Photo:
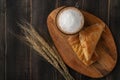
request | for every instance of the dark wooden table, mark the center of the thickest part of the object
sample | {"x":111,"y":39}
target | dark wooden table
{"x":19,"y":62}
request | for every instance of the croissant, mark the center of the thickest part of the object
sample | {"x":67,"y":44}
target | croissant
{"x":89,"y":38}
{"x":77,"y":48}
{"x":84,"y":43}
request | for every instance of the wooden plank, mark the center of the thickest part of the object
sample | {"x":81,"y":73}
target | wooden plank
{"x":41,"y":70}
{"x":78,"y":4}
{"x":99,"y":9}
{"x":2,"y":39}
{"x":17,"y":52}
{"x":87,"y":5}
{"x":114,"y":15}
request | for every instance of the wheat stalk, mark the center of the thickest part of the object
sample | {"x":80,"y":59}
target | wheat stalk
{"x":50,"y":53}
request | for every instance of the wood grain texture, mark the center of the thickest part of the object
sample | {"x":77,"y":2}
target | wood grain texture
{"x":40,"y":11}
{"x":23,"y":63}
{"x":114,"y":23}
{"x":100,"y":9}
{"x":2,"y":39}
{"x":17,"y":67}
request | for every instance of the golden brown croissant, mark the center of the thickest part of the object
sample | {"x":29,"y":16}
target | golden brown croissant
{"x":76,"y":46}
{"x":89,"y":38}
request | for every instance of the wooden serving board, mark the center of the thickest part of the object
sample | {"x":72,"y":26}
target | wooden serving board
{"x":106,"y":48}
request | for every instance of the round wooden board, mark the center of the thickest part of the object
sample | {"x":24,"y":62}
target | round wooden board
{"x":106,"y":47}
